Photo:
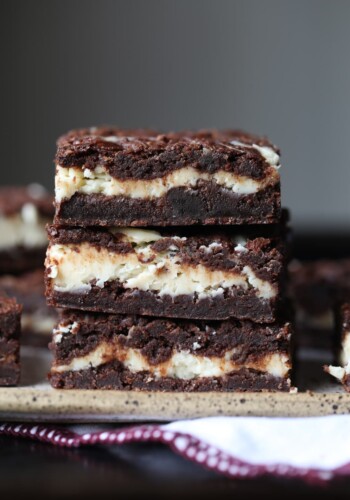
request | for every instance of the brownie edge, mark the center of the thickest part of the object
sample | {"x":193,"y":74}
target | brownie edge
{"x":10,"y":329}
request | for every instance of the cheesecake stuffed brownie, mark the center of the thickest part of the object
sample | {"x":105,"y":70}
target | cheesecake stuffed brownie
{"x":97,"y":351}
{"x":24,"y":213}
{"x":194,"y":273}
{"x":38,"y":319}
{"x":10,"y":329}
{"x":107,"y":177}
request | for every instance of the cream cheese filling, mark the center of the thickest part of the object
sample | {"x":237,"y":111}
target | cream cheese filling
{"x":72,"y":268}
{"x":181,"y":365}
{"x":26,"y":229}
{"x":98,"y":181}
{"x":340,"y":372}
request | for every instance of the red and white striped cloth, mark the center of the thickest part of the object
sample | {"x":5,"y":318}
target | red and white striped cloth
{"x":313,"y":449}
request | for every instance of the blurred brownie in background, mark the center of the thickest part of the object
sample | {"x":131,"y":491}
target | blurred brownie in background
{"x":38,"y":319}
{"x":342,"y":371}
{"x":10,"y":329}
{"x":24,"y":213}
{"x":316,"y":289}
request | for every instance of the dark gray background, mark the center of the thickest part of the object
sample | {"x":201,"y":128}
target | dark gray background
{"x":274,"y":67}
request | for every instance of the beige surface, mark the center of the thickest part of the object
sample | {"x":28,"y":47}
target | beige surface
{"x":35,"y":400}
{"x":45,"y":404}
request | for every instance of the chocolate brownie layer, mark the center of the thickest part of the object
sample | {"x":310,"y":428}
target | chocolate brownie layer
{"x":171,"y":349}
{"x":115,"y":376}
{"x":78,"y":334}
{"x":208,"y":274}
{"x":10,"y":328}
{"x":104,"y":178}
{"x":113,"y":298}
{"x":207,"y":204}
{"x":38,"y":320}
{"x":24,"y":213}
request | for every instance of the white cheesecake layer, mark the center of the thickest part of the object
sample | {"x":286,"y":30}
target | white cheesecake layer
{"x":73,"y":180}
{"x":181,"y":365}
{"x":72,"y":268}
{"x":26,"y":229}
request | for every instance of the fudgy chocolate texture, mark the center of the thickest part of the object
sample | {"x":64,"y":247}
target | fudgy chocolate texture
{"x":115,"y":299}
{"x":206,"y":203}
{"x":115,"y":376}
{"x":20,"y":259}
{"x":149,"y":157}
{"x":10,"y":328}
{"x":158,"y":339}
{"x":13,"y":198}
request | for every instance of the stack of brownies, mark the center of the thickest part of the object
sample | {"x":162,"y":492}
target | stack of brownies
{"x":168,"y":256}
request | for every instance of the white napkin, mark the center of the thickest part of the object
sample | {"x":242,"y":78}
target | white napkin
{"x":321,"y":442}
{"x":314,"y":449}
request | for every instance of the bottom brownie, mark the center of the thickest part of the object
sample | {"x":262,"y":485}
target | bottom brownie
{"x":100,"y":351}
{"x":10,"y":327}
{"x":115,"y":376}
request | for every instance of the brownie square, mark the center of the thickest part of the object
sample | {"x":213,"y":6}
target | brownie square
{"x":99,"y":351}
{"x":111,"y":177}
{"x":192,"y":273}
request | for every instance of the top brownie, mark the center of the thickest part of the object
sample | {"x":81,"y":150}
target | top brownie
{"x":110,"y":177}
